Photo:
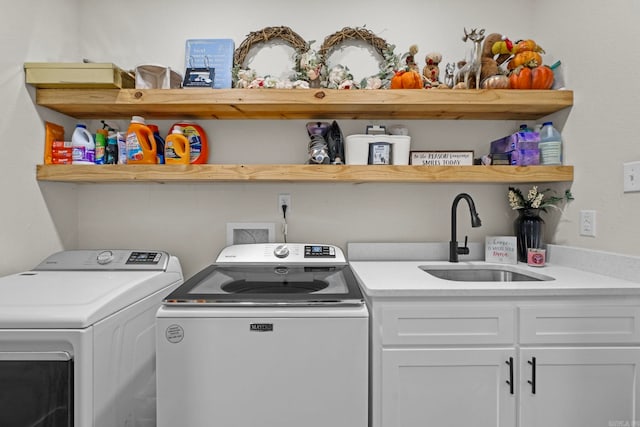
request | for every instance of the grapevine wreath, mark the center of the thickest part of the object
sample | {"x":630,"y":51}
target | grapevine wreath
{"x":246,"y":78}
{"x":339,"y":76}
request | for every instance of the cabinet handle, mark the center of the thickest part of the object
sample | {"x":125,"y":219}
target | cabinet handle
{"x":510,"y":380}
{"x":532,"y":362}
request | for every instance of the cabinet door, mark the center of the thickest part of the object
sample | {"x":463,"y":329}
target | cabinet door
{"x":586,"y":387}
{"x":447,"y":388}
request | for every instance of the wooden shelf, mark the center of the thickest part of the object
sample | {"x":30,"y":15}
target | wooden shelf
{"x":303,"y":173}
{"x":484,"y":104}
{"x":207,"y":104}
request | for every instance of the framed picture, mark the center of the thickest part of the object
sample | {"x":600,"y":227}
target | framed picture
{"x":441,"y":158}
{"x":199,"y":77}
{"x":379,"y":153}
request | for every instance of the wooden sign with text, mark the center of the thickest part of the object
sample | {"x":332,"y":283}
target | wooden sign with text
{"x":442,"y":158}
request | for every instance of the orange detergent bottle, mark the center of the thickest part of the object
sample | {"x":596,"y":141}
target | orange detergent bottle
{"x":141,"y":144}
{"x":198,"y":146}
{"x":176,"y":148}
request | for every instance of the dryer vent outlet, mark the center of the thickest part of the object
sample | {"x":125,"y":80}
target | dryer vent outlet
{"x":239,"y":233}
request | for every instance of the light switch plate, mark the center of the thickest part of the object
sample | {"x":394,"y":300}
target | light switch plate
{"x":631,"y":177}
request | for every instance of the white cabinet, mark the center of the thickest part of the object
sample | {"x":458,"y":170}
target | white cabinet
{"x":442,"y":364}
{"x":447,"y":387}
{"x":579,"y":364}
{"x":508,"y":362}
{"x":580,"y":386}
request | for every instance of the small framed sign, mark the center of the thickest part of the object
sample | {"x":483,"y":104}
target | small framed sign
{"x":199,"y":77}
{"x":379,"y":153}
{"x":441,"y":158}
{"x":501,"y":249}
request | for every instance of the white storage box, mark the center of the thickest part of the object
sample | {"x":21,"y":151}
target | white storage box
{"x":357,"y":148}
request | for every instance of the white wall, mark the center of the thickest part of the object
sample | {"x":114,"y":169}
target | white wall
{"x":189,"y":219}
{"x":602,"y":128}
{"x":35,"y":223}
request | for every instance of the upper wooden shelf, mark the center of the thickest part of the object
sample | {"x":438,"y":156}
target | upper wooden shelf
{"x":303,"y":173}
{"x":484,"y":104}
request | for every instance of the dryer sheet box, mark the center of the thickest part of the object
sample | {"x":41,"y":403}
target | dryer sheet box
{"x":521,"y":146}
{"x":211,"y":53}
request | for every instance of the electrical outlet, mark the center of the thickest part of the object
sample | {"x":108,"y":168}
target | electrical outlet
{"x":588,"y":223}
{"x":631,"y":177}
{"x":284,"y":199}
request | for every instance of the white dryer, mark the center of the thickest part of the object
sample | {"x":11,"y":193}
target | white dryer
{"x":77,"y":338}
{"x":271,"y":336}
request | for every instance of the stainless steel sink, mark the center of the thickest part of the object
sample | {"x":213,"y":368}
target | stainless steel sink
{"x":483,"y":273}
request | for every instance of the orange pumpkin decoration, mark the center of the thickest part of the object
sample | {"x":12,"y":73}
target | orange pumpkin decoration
{"x":531,"y":78}
{"x":396,"y":80}
{"x":527,"y":58}
{"x":542,"y":77}
{"x":406,"y":79}
{"x":528,"y":45}
{"x":520,"y":78}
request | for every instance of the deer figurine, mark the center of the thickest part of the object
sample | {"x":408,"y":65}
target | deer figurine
{"x":474,"y":67}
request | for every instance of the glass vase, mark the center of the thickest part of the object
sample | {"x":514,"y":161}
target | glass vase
{"x":529,"y":229}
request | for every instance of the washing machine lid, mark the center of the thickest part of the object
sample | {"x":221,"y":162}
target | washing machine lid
{"x":269,"y":285}
{"x":273,"y":274}
{"x":56,"y":298}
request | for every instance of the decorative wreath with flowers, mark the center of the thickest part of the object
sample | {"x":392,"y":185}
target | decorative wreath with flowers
{"x":310,"y":66}
{"x":246,"y":78}
{"x":339,"y":77}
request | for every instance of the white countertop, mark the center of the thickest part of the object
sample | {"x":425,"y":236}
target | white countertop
{"x":405,"y":278}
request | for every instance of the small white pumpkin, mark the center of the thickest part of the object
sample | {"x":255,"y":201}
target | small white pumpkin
{"x":498,"y":81}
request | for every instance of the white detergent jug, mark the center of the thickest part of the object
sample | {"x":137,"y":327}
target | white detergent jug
{"x":84,"y":147}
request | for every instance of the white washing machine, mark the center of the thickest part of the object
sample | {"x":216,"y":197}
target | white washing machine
{"x":77,"y":339}
{"x":271,"y":336}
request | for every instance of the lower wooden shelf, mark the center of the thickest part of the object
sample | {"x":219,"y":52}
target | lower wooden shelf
{"x":302,"y":173}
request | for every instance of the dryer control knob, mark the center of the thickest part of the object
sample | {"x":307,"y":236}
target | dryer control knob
{"x":104,"y":257}
{"x":281,"y":251}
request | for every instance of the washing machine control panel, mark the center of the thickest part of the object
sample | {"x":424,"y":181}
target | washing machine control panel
{"x":139,"y":258}
{"x":106,"y":259}
{"x":319,"y":251}
{"x":279,"y":253}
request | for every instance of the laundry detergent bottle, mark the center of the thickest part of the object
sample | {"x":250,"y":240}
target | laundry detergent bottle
{"x":198,"y":145}
{"x":159,"y":143}
{"x":141,"y":144}
{"x":83,"y":146}
{"x":176,"y":148}
{"x":101,"y":146}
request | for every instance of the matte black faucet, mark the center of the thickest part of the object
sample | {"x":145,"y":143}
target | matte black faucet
{"x":454,"y":250}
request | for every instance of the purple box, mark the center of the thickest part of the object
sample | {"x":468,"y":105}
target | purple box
{"x":516,"y":141}
{"x":525,"y":157}
{"x":522,"y":146}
